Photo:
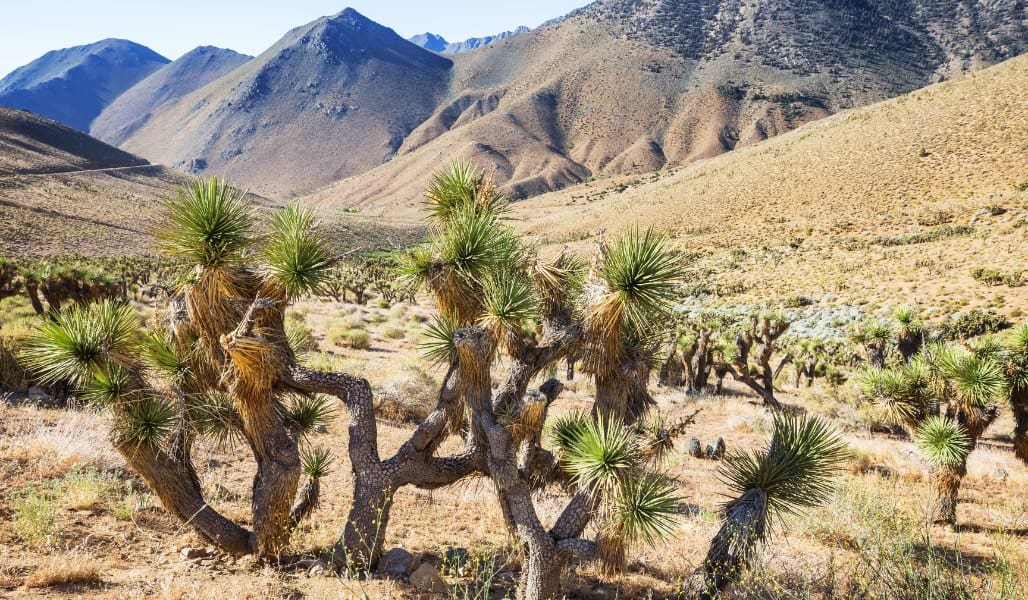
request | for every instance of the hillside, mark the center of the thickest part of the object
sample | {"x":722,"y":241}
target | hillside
{"x":185,"y":75}
{"x":632,"y":86}
{"x":331,"y":99}
{"x":892,"y":203}
{"x":30,"y":144}
{"x":74,"y":85}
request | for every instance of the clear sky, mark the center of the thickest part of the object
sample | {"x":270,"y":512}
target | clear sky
{"x":30,"y":28}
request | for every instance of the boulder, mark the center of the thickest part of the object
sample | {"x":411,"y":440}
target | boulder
{"x":693,"y":448}
{"x":427,"y":579}
{"x":716,"y":450}
{"x":397,"y":563}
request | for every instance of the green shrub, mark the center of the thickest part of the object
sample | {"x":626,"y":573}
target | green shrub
{"x":358,"y":339}
{"x":972,"y":324}
{"x":34,"y":514}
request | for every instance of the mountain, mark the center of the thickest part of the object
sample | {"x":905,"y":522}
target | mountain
{"x":429,"y":41}
{"x":437,"y":43}
{"x":332,"y":98}
{"x":74,"y":85}
{"x":189,"y":73}
{"x":892,"y":203}
{"x":632,"y":86}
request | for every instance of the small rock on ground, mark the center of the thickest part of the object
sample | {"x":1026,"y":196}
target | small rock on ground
{"x":427,"y":579}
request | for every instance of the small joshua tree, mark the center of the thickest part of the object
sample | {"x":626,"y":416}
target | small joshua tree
{"x":794,"y":472}
{"x":755,"y":347}
{"x":877,"y":338}
{"x":946,"y":397}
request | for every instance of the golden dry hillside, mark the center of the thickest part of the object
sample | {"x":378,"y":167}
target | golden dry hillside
{"x":894,"y":202}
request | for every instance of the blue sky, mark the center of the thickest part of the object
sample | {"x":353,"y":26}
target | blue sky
{"x":30,"y":28}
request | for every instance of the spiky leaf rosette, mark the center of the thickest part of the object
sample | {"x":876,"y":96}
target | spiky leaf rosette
{"x":208,"y":223}
{"x":977,"y":382}
{"x":109,"y":386}
{"x":645,"y":509}
{"x":312,"y":412}
{"x":316,"y":462}
{"x":874,"y":331}
{"x":296,"y":258}
{"x":437,"y":344}
{"x":458,"y":186}
{"x":81,"y":340}
{"x":161,"y":357}
{"x":509,"y":306}
{"x":1015,"y":344}
{"x":796,"y":469}
{"x":567,"y":429}
{"x":943,"y":441}
{"x":150,"y":422}
{"x":602,"y":457}
{"x":639,"y":277}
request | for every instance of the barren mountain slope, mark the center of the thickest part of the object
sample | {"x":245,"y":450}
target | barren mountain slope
{"x":895,"y":202}
{"x":632,"y":86}
{"x":333,"y":98}
{"x":188,"y":73}
{"x":73,"y":85}
{"x":30,"y":143}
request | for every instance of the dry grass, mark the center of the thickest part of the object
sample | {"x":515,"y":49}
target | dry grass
{"x":65,"y":570}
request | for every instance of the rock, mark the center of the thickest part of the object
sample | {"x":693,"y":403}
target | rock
{"x":456,"y":560}
{"x":397,"y":563}
{"x":694,"y":448}
{"x":716,"y":450}
{"x":193,"y":553}
{"x":427,"y":579}
{"x":37,"y":393}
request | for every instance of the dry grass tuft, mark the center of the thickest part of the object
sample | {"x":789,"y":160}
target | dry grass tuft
{"x":64,"y":570}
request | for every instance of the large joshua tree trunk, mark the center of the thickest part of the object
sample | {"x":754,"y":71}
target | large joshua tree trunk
{"x":744,"y":524}
{"x":176,"y":484}
{"x":1019,"y":405}
{"x":946,"y":485}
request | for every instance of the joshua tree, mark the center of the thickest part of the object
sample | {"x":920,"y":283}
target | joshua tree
{"x":792,"y":473}
{"x":910,"y":333}
{"x":946,"y":397}
{"x":877,"y":337}
{"x":496,"y":297}
{"x":1014,"y":359}
{"x":763,"y":331}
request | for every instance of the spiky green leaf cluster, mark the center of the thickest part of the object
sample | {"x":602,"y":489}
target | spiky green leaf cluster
{"x":437,"y":344}
{"x":795,"y":470}
{"x":567,"y":429}
{"x":643,"y":273}
{"x":81,"y":341}
{"x":645,"y":509}
{"x":161,"y":357}
{"x":942,"y":441}
{"x":603,"y":456}
{"x":213,"y":417}
{"x":296,"y":257}
{"x":977,"y":381}
{"x":459,"y":185}
{"x":316,"y":462}
{"x":108,"y":386}
{"x":208,"y":223}
{"x":149,"y":422}
{"x":312,"y":412}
